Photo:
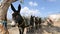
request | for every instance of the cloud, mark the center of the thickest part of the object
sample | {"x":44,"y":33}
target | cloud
{"x":33,"y":3}
{"x":24,"y":12}
{"x":28,"y":12}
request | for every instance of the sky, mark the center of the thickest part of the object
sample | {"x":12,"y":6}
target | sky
{"x":40,"y":8}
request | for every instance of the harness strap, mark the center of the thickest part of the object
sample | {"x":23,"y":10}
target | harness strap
{"x":22,"y":23}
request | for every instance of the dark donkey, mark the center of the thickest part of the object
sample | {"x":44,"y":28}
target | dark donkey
{"x":18,"y":18}
{"x":36,"y":22}
{"x":32,"y":23}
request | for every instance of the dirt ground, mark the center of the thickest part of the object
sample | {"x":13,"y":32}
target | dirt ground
{"x":44,"y":30}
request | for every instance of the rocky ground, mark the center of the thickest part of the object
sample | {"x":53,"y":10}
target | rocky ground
{"x":44,"y":30}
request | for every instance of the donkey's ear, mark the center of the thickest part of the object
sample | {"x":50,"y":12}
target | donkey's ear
{"x":19,"y":8}
{"x":12,"y":7}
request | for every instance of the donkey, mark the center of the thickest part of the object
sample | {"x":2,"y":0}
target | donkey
{"x":40,"y":21}
{"x":32,"y":20}
{"x":36,"y":22}
{"x":16,"y":16}
{"x":32,"y":23}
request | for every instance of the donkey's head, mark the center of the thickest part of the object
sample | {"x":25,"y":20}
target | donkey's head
{"x":16,"y":13}
{"x":32,"y":18}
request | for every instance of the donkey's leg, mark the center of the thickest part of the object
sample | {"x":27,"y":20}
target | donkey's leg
{"x":23,"y":30}
{"x":36,"y":26}
{"x":20,"y":30}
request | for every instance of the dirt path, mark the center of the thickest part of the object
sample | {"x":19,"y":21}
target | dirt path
{"x":43,"y":30}
{"x":13,"y":30}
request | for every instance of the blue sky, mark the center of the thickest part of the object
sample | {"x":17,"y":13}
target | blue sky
{"x":40,"y":8}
